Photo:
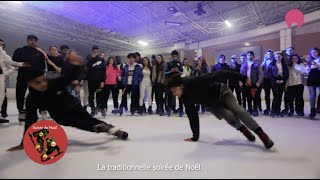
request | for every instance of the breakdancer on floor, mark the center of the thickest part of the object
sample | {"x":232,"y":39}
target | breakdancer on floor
{"x":219,"y":100}
{"x":63,"y":107}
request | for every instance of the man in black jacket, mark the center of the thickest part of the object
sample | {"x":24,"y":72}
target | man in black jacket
{"x":36,"y":59}
{"x":173,"y":67}
{"x":62,"y":106}
{"x":219,"y":100}
{"x":96,"y":74}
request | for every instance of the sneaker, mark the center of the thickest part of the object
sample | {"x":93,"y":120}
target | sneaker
{"x":284,"y":112}
{"x":266,"y":112}
{"x":4,"y":122}
{"x":255,"y":113}
{"x":150,"y":110}
{"x":93,"y":112}
{"x":22,"y":116}
{"x":250,"y":111}
{"x":168,"y":113}
{"x":44,"y":115}
{"x":115,"y":111}
{"x":103,"y":112}
{"x":291,"y":113}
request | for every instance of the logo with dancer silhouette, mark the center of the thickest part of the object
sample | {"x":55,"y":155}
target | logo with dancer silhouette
{"x":45,"y":142}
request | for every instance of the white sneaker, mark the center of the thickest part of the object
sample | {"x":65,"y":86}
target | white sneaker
{"x":4,"y":122}
{"x":44,"y":115}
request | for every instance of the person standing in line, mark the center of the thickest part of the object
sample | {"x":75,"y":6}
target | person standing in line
{"x":254,"y":72}
{"x":234,"y":84}
{"x":313,"y":82}
{"x":187,"y":69}
{"x":6,"y":69}
{"x":96,"y":75}
{"x":153,"y":63}
{"x":36,"y":58}
{"x":278,"y":74}
{"x":243,"y":59}
{"x":295,"y":86}
{"x":172,"y":67}
{"x":158,"y":78}
{"x":201,"y":69}
{"x":146,"y":86}
{"x":131,"y":79}
{"x":269,"y":58}
{"x":110,"y":85}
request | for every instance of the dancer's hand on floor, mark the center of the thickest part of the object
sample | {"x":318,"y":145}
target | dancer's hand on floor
{"x":188,"y":139}
{"x":15,"y":148}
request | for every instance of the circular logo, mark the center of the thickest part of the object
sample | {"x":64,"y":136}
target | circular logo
{"x":45,"y":142}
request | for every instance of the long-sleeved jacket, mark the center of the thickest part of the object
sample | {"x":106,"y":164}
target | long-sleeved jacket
{"x":220,"y":66}
{"x":265,"y":64}
{"x":273,"y":72}
{"x":96,"y":70}
{"x":236,"y":68}
{"x":314,"y":73}
{"x":6,"y":63}
{"x":256,"y":72}
{"x":136,"y":77}
{"x":56,"y":99}
{"x":30,"y":55}
{"x":158,"y":73}
{"x":173,"y":64}
{"x":296,"y":73}
{"x":204,"y":89}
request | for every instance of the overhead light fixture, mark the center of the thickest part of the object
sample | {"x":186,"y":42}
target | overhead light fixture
{"x":247,"y":44}
{"x":173,"y":23}
{"x":200,"y":10}
{"x":16,"y":2}
{"x":172,"y":9}
{"x":143,"y":43}
{"x":227,"y":23}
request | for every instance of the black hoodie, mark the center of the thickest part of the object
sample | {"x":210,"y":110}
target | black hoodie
{"x":30,"y":55}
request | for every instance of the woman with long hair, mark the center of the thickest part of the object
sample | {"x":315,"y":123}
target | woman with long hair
{"x":313,"y":81}
{"x":278,"y":73}
{"x":158,"y":78}
{"x":295,"y":85}
{"x":187,"y":70}
{"x":146,"y":85}
{"x":200,"y":69}
{"x":110,"y":85}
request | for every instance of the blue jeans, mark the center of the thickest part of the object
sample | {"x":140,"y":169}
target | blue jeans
{"x":313,"y":95}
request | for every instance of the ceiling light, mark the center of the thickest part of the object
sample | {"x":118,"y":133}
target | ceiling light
{"x":172,"y":9}
{"x":173,"y":23}
{"x":227,"y":23}
{"x":16,"y":2}
{"x":247,"y":44}
{"x":143,"y":43}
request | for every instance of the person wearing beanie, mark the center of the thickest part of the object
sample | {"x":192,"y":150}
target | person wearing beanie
{"x":174,"y":66}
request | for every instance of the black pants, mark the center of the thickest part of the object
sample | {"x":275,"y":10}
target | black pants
{"x":92,"y":87}
{"x":21,"y":89}
{"x":4,"y":104}
{"x":106,"y":93}
{"x":246,"y":92}
{"x":259,"y":90}
{"x":238,"y":92}
{"x":277,"y":90}
{"x":153,"y":93}
{"x":159,"y":91}
{"x":267,"y":91}
{"x":170,"y":101}
{"x":286,"y":101}
{"x":135,"y":95}
{"x":295,"y":96}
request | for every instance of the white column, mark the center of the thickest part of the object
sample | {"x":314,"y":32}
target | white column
{"x":181,"y":55}
{"x":288,"y":37}
{"x":282,"y":39}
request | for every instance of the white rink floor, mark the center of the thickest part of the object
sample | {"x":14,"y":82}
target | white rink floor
{"x":222,"y":152}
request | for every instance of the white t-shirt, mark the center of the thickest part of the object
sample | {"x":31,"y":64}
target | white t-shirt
{"x":279,"y":65}
{"x":131,"y":68}
{"x":249,"y":63}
